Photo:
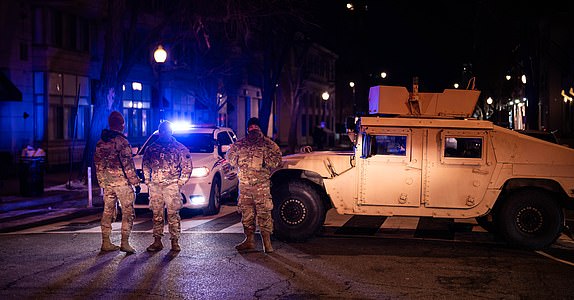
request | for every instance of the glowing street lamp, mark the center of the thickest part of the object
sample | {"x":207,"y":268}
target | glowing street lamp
{"x":383,"y":75}
{"x":160,"y":56}
{"x":325,"y":96}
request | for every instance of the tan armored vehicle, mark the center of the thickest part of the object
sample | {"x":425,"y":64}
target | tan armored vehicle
{"x":422,"y":155}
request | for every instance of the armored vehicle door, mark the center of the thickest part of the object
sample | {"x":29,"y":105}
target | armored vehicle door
{"x":457,"y":168}
{"x":390,"y":167}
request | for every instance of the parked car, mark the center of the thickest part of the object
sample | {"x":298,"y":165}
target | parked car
{"x":212,"y":179}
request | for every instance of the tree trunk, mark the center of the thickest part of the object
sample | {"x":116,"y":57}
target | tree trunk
{"x":108,"y":91}
{"x":292,"y":140}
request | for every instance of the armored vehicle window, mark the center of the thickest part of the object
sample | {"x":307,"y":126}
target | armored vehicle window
{"x":463,"y":147}
{"x":390,"y":145}
{"x":366,"y":149}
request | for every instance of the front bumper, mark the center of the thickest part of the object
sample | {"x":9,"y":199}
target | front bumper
{"x":195,"y":194}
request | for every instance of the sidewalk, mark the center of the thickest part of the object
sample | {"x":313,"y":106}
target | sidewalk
{"x":60,"y":201}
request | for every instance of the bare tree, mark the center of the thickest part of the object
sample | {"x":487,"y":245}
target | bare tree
{"x":294,"y":78}
{"x":215,"y":41}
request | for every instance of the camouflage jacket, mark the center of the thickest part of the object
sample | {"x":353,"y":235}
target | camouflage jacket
{"x":167,"y":161}
{"x":256,"y":156}
{"x":113,"y":160}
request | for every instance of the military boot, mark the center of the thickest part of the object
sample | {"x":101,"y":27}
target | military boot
{"x":266,"y":238}
{"x":175,"y":245}
{"x":248,"y":243}
{"x":125,"y":246}
{"x":156,"y":246}
{"x":107,"y":244}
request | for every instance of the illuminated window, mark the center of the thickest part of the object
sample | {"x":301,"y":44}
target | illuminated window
{"x":136,"y":102}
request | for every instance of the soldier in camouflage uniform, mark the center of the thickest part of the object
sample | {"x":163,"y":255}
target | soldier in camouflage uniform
{"x":256,"y":156}
{"x":167,"y":166}
{"x":117,"y":176}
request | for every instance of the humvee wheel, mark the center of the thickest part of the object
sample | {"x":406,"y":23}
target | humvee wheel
{"x":298,"y":212}
{"x":530,"y":219}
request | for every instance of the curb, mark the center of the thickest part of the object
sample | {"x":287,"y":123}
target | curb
{"x":49,"y":218}
{"x":36,"y":202}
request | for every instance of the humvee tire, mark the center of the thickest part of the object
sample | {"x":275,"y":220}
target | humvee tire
{"x":298,"y":212}
{"x":530,"y":218}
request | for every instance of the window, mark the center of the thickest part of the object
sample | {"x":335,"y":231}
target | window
{"x":389,"y":145}
{"x":463,"y":147}
{"x":62,"y":30}
{"x":136,"y":103}
{"x":67,"y":119}
{"x":223,"y":138}
{"x":197,"y":142}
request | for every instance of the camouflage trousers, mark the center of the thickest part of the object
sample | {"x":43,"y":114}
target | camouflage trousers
{"x":126,"y":196}
{"x":167,"y":196}
{"x":255,"y":205}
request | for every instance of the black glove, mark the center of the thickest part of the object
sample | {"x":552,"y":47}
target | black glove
{"x":138,"y":189}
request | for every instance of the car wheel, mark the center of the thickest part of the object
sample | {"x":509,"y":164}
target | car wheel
{"x":298,"y":212}
{"x":214,"y":204}
{"x":531,"y":219}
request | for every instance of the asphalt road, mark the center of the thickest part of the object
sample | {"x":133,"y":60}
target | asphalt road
{"x":63,"y":261}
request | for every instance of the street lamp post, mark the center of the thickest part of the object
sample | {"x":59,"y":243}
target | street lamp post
{"x":160,"y":56}
{"x":352,"y":85}
{"x":325,"y":97}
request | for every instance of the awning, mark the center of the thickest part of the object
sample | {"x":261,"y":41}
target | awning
{"x":8,"y":91}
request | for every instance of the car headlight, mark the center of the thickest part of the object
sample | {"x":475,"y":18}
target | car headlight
{"x":200,"y":172}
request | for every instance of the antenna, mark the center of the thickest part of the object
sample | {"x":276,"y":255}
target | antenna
{"x":413,"y":103}
{"x":472,"y":81}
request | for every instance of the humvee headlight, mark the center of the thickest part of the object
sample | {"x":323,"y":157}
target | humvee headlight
{"x":199,"y":172}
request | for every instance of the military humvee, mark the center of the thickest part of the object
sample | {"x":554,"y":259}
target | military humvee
{"x":423,"y":155}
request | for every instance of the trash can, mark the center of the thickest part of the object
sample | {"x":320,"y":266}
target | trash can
{"x":32,"y":176}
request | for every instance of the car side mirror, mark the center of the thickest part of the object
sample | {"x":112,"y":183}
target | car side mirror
{"x":222,"y":149}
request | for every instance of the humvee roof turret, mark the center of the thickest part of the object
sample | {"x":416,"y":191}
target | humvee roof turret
{"x":421,"y":154}
{"x":396,"y":99}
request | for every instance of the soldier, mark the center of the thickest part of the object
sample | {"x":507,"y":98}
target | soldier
{"x":256,"y":156}
{"x":167,"y":167}
{"x":117,"y":176}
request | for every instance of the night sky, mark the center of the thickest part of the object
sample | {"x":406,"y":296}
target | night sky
{"x":429,"y":39}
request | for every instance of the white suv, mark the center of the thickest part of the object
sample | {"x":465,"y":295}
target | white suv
{"x":212,"y":177}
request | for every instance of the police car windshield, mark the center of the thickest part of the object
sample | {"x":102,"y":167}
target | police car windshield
{"x":196,"y":142}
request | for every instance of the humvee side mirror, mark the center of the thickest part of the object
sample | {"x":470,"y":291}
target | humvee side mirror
{"x":351,"y":126}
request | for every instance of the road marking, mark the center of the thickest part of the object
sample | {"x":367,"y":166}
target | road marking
{"x":554,"y":258}
{"x":228,"y":221}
